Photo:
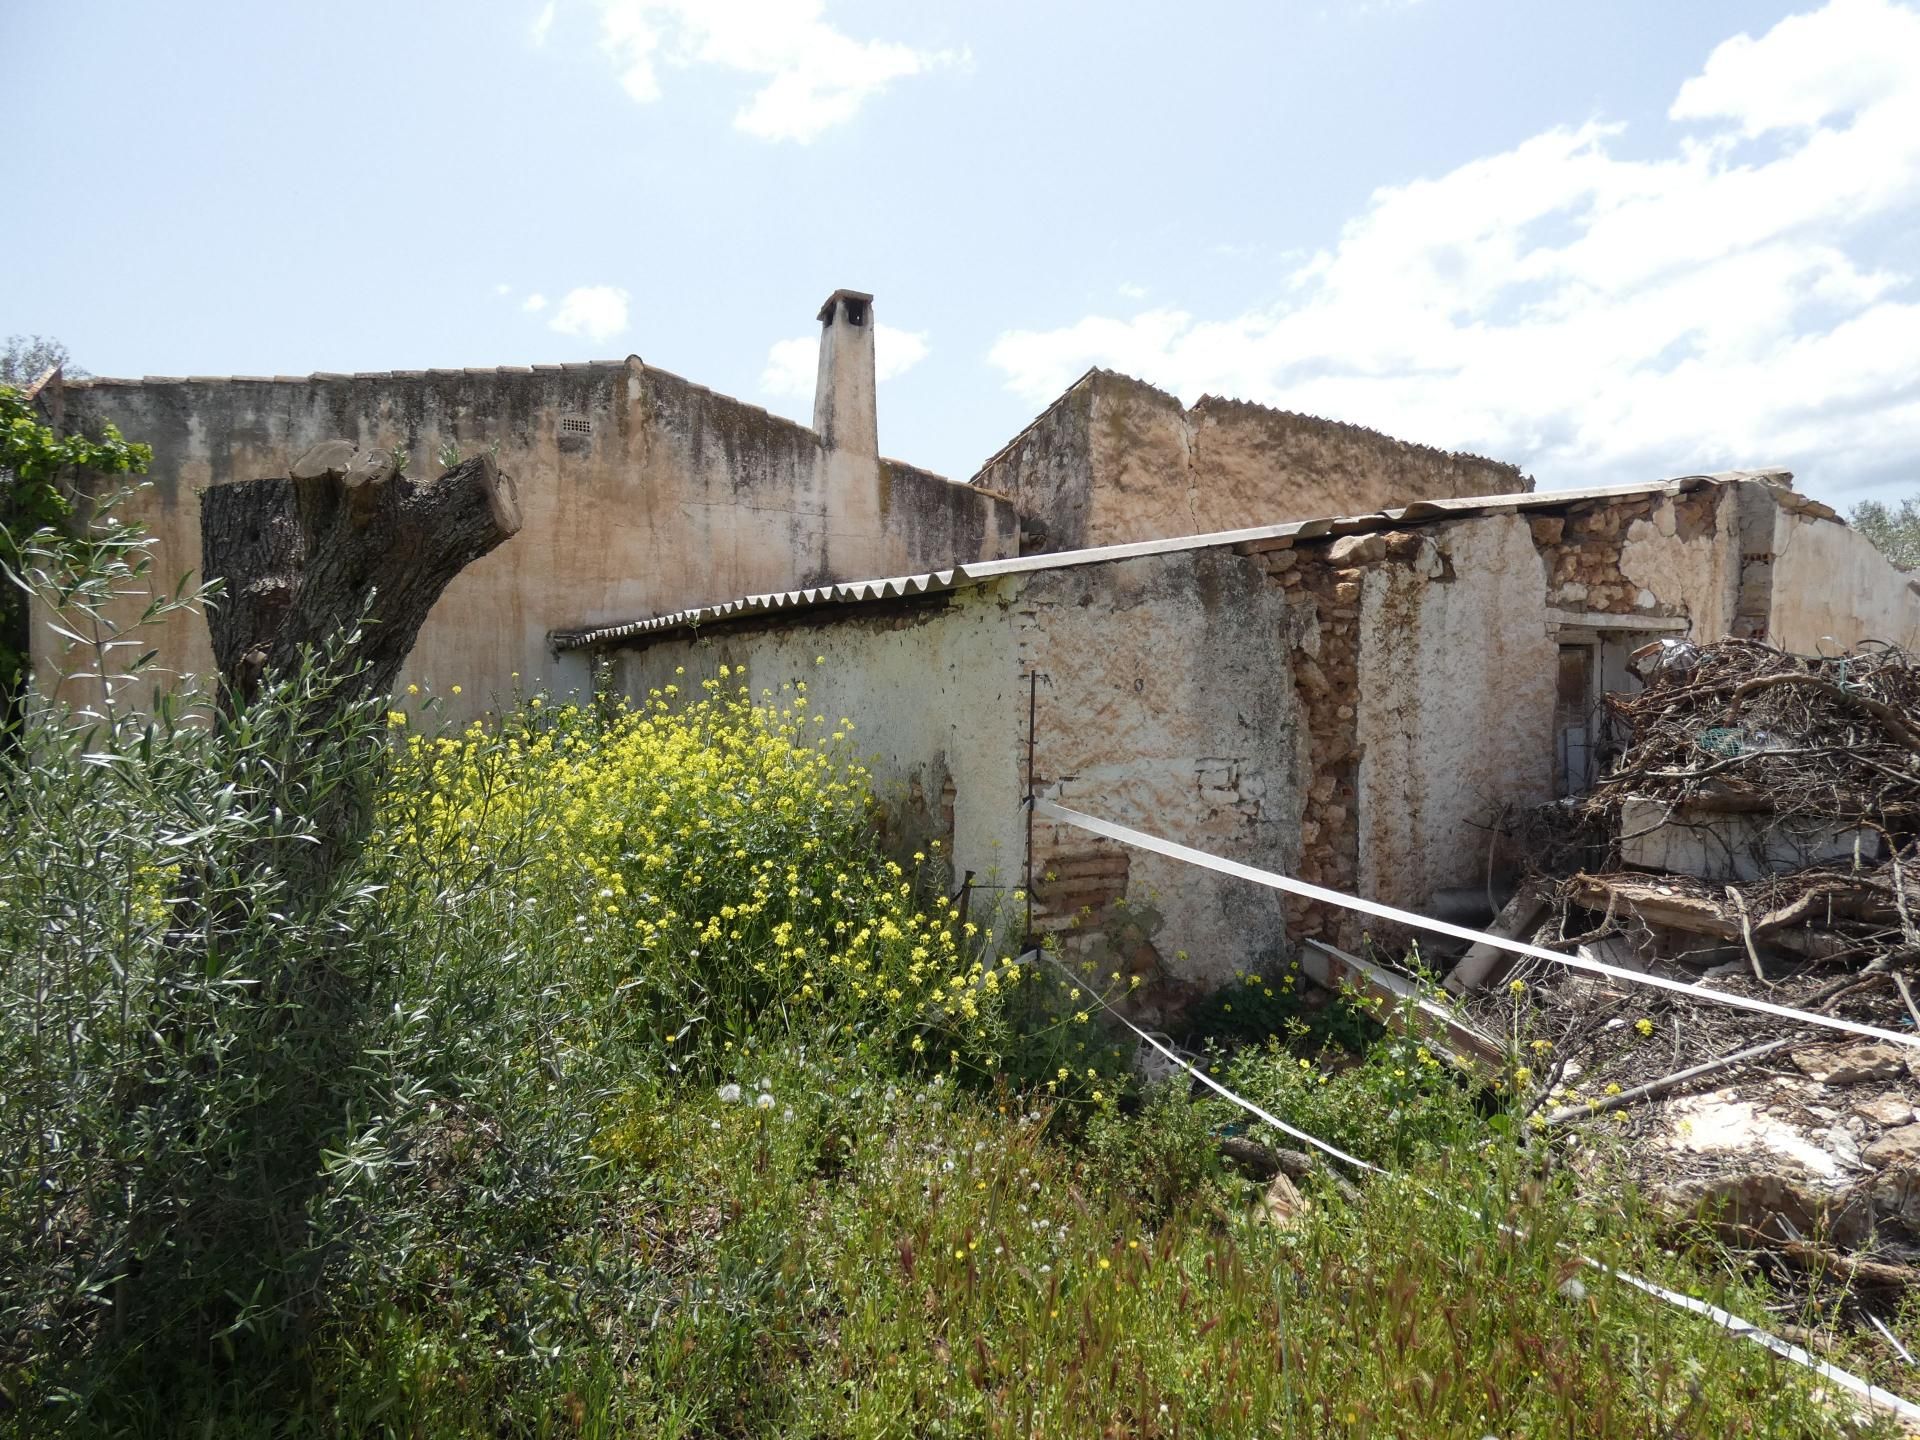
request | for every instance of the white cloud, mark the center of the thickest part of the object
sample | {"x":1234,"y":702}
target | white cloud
{"x":542,"y":23}
{"x":794,"y":365}
{"x":596,"y":312}
{"x":534,"y":303}
{"x":815,"y":76}
{"x":1602,"y":317}
{"x":896,"y":351}
{"x":503,"y":288}
{"x":1130,"y":291}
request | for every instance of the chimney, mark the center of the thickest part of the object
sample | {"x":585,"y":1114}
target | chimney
{"x":844,"y":412}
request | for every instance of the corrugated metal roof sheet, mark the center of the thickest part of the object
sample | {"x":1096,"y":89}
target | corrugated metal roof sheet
{"x":893,"y":587}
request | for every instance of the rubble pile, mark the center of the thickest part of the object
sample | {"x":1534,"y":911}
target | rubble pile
{"x":1776,"y":799}
{"x":1757,"y":831}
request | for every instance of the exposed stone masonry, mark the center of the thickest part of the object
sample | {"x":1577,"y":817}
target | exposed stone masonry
{"x":1323,"y":581}
{"x":1583,"y":549}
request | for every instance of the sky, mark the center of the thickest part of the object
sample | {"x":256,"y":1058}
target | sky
{"x":1608,"y":242}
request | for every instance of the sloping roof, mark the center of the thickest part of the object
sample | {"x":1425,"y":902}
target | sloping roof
{"x":854,"y":592}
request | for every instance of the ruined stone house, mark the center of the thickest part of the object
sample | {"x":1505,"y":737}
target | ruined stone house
{"x":1351,"y":701}
{"x":1219,"y":660}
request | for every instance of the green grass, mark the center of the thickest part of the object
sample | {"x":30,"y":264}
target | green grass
{"x":870,"y":1257}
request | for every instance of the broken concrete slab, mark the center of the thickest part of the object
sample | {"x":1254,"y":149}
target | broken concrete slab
{"x":1716,"y":1123}
{"x":1618,"y":951}
{"x":1479,"y":966}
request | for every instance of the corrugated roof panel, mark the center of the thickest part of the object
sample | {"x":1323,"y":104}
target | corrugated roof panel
{"x":855,"y":591}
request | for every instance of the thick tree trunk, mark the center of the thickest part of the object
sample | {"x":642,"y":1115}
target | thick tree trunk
{"x":342,"y":538}
{"x":342,"y":542}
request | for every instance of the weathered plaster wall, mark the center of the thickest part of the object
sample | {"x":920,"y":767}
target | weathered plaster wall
{"x":1743,"y":558}
{"x":1682,"y":557}
{"x":1047,"y":472}
{"x":1832,"y":588}
{"x":672,"y":496}
{"x":1352,"y":710}
{"x":1115,"y":460}
{"x":1144,"y":482}
{"x":1455,"y":712}
{"x":1168,"y":706}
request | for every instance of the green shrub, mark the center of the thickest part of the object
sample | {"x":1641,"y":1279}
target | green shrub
{"x":1396,"y":1104}
{"x":1162,"y":1156}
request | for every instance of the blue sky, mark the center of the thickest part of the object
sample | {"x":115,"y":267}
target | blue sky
{"x":1607,"y":242}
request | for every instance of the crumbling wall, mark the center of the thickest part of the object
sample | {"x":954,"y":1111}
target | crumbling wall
{"x":1833,"y":589}
{"x":1115,"y":460}
{"x":1657,"y":556}
{"x":1682,"y":557}
{"x":1456,"y":705}
{"x":1319,"y":649}
{"x":1168,"y":706}
{"x":1746,"y":558}
{"x":641,"y":493}
{"x":1425,"y":662}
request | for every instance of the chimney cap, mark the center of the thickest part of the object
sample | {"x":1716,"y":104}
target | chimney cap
{"x":826,"y":310}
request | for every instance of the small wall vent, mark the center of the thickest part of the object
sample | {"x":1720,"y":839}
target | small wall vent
{"x":575,"y":425}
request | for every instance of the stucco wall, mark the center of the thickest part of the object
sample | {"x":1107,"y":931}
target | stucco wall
{"x":1169,"y":706}
{"x":1115,"y":460}
{"x":1832,"y":589}
{"x":1165,"y":704}
{"x":675,"y":496}
{"x":1455,"y":708}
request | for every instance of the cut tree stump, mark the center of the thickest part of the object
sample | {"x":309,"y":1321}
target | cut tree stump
{"x":342,"y":538}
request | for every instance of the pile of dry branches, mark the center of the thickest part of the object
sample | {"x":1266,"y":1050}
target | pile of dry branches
{"x":1740,"y":721}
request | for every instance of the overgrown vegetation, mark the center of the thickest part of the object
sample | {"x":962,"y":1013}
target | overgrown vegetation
{"x":619,"y":1086}
{"x":33,"y":506}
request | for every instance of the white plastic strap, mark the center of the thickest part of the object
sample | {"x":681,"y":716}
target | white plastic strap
{"x":1212,"y":1084}
{"x":1048,"y":810}
{"x":1733,"y":1324}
